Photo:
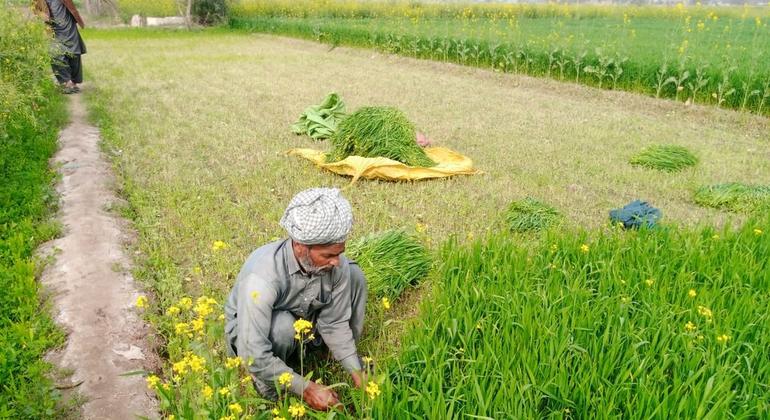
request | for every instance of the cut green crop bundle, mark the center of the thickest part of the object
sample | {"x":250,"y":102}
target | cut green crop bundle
{"x":531,"y":215}
{"x":391,"y":260}
{"x":320,"y":121}
{"x":669,"y":158}
{"x":376,"y":131}
{"x":734,"y":196}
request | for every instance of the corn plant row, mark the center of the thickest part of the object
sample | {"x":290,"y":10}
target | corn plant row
{"x":721,"y":79}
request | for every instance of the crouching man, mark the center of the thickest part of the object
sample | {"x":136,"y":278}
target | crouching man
{"x":303,"y":277}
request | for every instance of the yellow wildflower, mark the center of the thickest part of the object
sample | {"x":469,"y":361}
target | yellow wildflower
{"x":420,"y":228}
{"x":224,"y":392}
{"x":207,"y":392}
{"x":203,"y":306}
{"x":366,"y":359}
{"x":279,"y":418}
{"x":723,"y":339}
{"x":625,"y":299}
{"x":386,"y":303}
{"x":230,"y":417}
{"x":297,"y":410}
{"x":235,"y":408}
{"x":196,"y":363}
{"x":232,"y":362}
{"x":692,"y":293}
{"x":141,"y":302}
{"x":197,"y":324}
{"x":171,"y":417}
{"x":246,"y":380}
{"x":715,"y":237}
{"x":172,"y":311}
{"x":285,"y":379}
{"x":584,"y":248}
{"x":221,"y":317}
{"x":689,"y":326}
{"x":185,"y":303}
{"x":649,"y":282}
{"x":372,"y":389}
{"x":301,"y":327}
{"x":180,"y":367}
{"x":276,"y":411}
{"x":706,"y":312}
{"x":757,"y":232}
{"x":554,"y":248}
{"x":219,"y":245}
{"x":181,"y":328}
{"x":152,"y":382}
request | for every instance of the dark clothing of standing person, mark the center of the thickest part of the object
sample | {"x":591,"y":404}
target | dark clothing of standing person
{"x":64,"y":18}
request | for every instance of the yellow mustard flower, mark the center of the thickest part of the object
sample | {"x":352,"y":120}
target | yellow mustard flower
{"x":171,"y":417}
{"x":181,"y":328}
{"x":180,"y":367}
{"x":219,"y":245}
{"x":246,"y":380}
{"x":196,"y":363}
{"x":232,"y":362}
{"x":302,"y":327}
{"x":198,"y":324}
{"x":649,"y":282}
{"x":235,"y":408}
{"x":297,"y":410}
{"x":386,"y":303}
{"x":221,"y":317}
{"x":366,"y":359}
{"x":689,"y":326}
{"x":207,"y":392}
{"x":705,"y":312}
{"x":172,"y":311}
{"x":757,"y":232}
{"x":285,"y":379}
{"x":185,"y":303}
{"x":224,"y":392}
{"x":372,"y":389}
{"x":723,"y":339}
{"x":692,"y":293}
{"x":152,"y":382}
{"x":585,"y":248}
{"x":276,"y":411}
{"x":141,"y":302}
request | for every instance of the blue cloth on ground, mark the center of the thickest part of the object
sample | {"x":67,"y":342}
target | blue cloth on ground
{"x":635,"y":215}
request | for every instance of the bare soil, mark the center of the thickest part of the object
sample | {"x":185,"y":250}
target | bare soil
{"x":94,"y":292}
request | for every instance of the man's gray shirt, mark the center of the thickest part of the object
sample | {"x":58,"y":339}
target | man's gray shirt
{"x":271,"y":280}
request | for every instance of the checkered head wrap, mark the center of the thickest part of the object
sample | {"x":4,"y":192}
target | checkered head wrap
{"x":318,"y":216}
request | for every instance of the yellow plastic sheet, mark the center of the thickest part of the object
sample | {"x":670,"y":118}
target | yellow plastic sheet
{"x":449,"y":163}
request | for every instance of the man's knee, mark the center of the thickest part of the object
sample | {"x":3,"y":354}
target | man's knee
{"x":282,"y":334}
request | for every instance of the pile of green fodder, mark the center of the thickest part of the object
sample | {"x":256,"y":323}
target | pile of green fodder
{"x":669,"y":158}
{"x":531,"y":215}
{"x":650,"y":320}
{"x":734,"y":196}
{"x":320,"y":121}
{"x":378,"y":131}
{"x":392,"y":260}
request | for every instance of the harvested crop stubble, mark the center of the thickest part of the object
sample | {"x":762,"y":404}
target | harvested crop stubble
{"x":320,"y":121}
{"x":734,"y":196}
{"x":669,"y":158}
{"x":378,"y":131}
{"x":391,"y":260}
{"x":531,"y":215}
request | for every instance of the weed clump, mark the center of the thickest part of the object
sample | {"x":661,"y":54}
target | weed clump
{"x":378,"y":131}
{"x":669,"y":158}
{"x":734,"y":196}
{"x":391,"y":260}
{"x":530,"y":215}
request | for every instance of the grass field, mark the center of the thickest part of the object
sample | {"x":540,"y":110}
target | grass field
{"x":716,"y":55}
{"x":198,"y":123}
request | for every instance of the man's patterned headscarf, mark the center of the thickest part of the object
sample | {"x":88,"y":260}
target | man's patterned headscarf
{"x":318,"y":216}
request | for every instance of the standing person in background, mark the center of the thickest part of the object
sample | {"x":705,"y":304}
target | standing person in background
{"x":64,"y":18}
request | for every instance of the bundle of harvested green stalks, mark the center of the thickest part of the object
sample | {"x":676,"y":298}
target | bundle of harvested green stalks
{"x":669,"y":158}
{"x":320,"y":121}
{"x":734,"y":196}
{"x":531,"y":215}
{"x":376,"y":131}
{"x":391,"y":260}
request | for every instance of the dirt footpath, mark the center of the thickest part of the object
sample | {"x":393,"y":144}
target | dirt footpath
{"x":93,"y":290}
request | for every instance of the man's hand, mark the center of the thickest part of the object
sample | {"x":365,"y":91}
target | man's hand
{"x":359,"y":378}
{"x":319,"y":397}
